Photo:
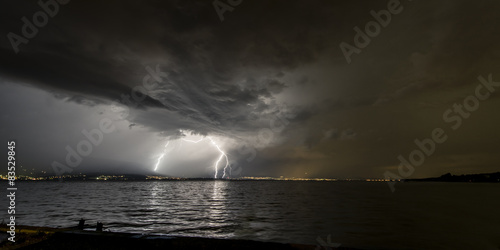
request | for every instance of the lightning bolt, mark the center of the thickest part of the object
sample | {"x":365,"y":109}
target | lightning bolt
{"x":162,"y":155}
{"x":222,"y":155}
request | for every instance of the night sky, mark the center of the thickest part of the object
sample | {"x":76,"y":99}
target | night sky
{"x":284,"y":88}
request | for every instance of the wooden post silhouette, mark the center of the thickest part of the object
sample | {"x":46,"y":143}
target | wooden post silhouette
{"x":99,"y":227}
{"x":81,"y":224}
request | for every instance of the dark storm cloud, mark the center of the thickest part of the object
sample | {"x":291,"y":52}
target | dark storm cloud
{"x":267,"y":58}
{"x":98,"y":49}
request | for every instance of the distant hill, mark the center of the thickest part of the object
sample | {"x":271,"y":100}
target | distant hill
{"x":490,"y":177}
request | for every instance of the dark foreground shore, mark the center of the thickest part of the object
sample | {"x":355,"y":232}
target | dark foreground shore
{"x":68,"y":238}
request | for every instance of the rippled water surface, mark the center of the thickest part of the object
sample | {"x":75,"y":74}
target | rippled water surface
{"x":357,"y":214}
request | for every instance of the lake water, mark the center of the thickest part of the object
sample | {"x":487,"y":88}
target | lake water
{"x":355,"y":214}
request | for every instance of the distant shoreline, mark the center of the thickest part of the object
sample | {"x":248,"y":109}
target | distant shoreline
{"x":481,"y":178}
{"x":477,"y":178}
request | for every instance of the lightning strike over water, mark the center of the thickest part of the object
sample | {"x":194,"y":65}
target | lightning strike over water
{"x":223,"y":155}
{"x":161,"y":156}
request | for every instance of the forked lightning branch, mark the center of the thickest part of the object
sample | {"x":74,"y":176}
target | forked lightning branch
{"x":222,"y":155}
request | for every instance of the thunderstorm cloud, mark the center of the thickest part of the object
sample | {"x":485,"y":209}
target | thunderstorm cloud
{"x":269,"y":83}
